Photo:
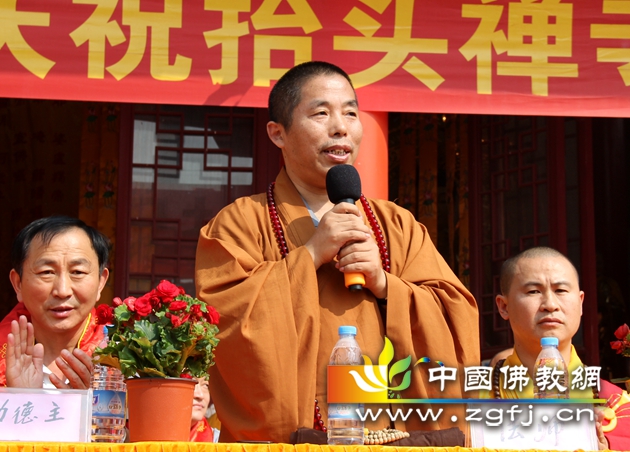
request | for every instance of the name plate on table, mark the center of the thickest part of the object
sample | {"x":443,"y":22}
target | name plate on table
{"x":56,"y":415}
{"x":532,"y":426}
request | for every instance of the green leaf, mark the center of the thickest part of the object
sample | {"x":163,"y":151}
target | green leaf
{"x":151,"y":372}
{"x":147,"y":329}
{"x":107,"y":360}
{"x":405,"y":383}
{"x":122,"y":313}
{"x":128,"y":363}
{"x":398,"y":367}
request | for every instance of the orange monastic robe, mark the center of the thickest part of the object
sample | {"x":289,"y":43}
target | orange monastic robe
{"x":279,"y":317}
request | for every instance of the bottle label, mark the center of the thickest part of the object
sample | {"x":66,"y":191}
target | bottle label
{"x":343,"y":411}
{"x":108,"y":403}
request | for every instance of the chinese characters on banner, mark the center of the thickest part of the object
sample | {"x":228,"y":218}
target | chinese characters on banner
{"x":563,"y":57}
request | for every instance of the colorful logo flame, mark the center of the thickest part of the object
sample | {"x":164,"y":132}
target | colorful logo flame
{"x":373,"y":383}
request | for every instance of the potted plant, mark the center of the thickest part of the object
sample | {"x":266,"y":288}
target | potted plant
{"x":622,"y":347}
{"x":160,"y":340}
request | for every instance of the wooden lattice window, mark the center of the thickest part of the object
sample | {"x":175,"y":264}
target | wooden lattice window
{"x":188,"y":162}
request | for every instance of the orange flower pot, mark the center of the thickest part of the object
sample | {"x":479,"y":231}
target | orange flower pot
{"x":160,"y":409}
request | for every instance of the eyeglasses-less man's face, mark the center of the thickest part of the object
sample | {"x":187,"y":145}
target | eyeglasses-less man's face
{"x":325,"y":131}
{"x":60,"y":282}
{"x":544,"y":300}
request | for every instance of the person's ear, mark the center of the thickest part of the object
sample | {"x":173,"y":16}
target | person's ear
{"x":581,"y":301}
{"x":101,"y":282}
{"x":502,"y":305}
{"x":16,"y":282}
{"x":275,"y":130}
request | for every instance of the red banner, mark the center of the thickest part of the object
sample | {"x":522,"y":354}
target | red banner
{"x":540,"y":57}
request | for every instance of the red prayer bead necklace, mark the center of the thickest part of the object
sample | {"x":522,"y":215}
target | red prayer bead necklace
{"x":376,"y":228}
{"x":318,"y":423}
{"x":275,"y":222}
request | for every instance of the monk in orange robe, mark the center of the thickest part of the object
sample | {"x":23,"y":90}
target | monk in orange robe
{"x":273,"y":265}
{"x":541,"y":297}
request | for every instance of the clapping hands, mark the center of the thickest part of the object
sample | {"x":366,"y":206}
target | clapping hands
{"x":25,"y":361}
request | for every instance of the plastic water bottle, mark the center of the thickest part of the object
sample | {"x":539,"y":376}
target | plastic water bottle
{"x":552,"y":375}
{"x":108,"y":403}
{"x":345,"y":427}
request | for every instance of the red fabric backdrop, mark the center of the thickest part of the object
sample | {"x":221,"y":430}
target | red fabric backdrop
{"x":556,"y":57}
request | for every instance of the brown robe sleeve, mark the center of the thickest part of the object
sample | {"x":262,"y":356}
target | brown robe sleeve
{"x":263,"y":383}
{"x":430,"y":313}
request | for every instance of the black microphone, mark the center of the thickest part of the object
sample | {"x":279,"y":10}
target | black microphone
{"x":343,"y":184}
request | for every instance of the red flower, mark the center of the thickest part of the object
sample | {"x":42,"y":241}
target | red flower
{"x":179,"y":321}
{"x":186,"y":376}
{"x":195,"y":311}
{"x":622,"y":332}
{"x":143,"y":306}
{"x":130,"y":303}
{"x":167,"y":290}
{"x":177,"y":305}
{"x":156,"y":301}
{"x":104,"y":314}
{"x":117,"y":302}
{"x":617,"y":345}
{"x":212,"y":315}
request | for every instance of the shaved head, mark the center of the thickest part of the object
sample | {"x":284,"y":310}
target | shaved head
{"x":286,"y":94}
{"x":509,"y":266}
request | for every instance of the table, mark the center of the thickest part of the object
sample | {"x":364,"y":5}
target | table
{"x":210,"y":447}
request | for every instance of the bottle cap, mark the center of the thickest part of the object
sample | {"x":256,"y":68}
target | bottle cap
{"x":549,"y":341}
{"x":347,"y":330}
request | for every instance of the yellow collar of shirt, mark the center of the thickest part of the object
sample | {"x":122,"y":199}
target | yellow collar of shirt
{"x":528,"y":391}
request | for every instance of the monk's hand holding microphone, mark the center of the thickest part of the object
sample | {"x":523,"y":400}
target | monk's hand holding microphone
{"x":343,"y":185}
